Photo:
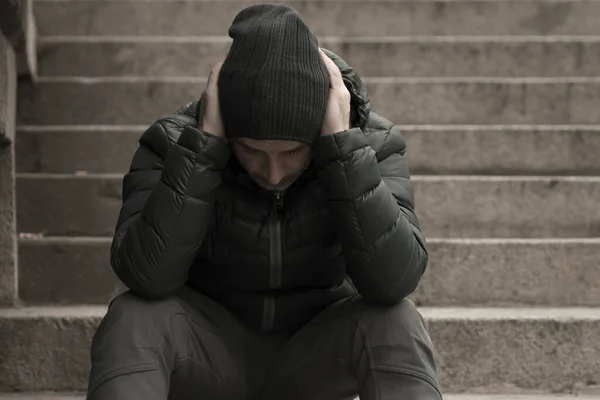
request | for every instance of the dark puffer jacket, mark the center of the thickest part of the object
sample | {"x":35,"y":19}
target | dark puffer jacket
{"x":192,"y":215}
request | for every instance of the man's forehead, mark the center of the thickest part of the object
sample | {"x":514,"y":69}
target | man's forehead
{"x":270,"y":145}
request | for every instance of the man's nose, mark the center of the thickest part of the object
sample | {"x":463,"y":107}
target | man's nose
{"x":275,"y":173}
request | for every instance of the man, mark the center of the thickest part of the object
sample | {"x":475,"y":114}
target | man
{"x":279,"y":271}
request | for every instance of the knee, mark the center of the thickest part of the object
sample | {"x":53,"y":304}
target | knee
{"x":131,"y":307}
{"x":129,"y":315}
{"x":400,"y":317}
{"x":397,"y":335}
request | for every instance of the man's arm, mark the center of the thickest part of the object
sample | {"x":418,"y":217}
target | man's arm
{"x":167,"y":204}
{"x":372,"y":204}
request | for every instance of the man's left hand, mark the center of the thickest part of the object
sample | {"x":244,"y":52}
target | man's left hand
{"x":337,"y":114}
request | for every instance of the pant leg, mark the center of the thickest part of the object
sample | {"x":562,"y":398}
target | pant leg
{"x":355,"y":348}
{"x":184,"y":347}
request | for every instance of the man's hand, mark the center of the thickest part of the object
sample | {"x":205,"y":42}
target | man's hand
{"x":211,"y":120}
{"x":337,"y":114}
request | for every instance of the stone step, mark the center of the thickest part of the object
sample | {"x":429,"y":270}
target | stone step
{"x":450,"y":396}
{"x":325,"y":18}
{"x":373,"y":56}
{"x":484,"y":350}
{"x":482,"y":150}
{"x":516,"y":272}
{"x":410,"y":101}
{"x":41,"y":396}
{"x":448,"y":206}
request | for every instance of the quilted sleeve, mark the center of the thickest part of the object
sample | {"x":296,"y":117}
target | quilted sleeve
{"x":168,"y":196}
{"x":370,"y":199}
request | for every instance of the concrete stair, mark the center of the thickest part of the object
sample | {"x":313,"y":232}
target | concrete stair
{"x":55,"y":396}
{"x":516,"y":272}
{"x":499,"y":102}
{"x":429,"y":101}
{"x":499,"y":349}
{"x":428,"y":56}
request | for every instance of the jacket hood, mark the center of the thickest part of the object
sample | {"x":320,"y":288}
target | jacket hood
{"x":360,"y":100}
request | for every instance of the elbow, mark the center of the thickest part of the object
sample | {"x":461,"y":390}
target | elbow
{"x":389,"y":291}
{"x":143,"y":283}
{"x":152,"y":289}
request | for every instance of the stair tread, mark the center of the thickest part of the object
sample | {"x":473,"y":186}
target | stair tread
{"x":433,"y":313}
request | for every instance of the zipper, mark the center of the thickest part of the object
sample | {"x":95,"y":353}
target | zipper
{"x":275,"y":260}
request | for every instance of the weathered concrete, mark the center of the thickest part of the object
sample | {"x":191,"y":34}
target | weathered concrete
{"x":8,"y":92}
{"x":517,"y":273}
{"x":373,"y":57}
{"x":507,"y":350}
{"x":99,"y":149}
{"x":76,"y":206}
{"x":46,"y":349}
{"x":8,"y":243}
{"x":511,"y":272}
{"x":439,"y":150}
{"x":502,"y":150}
{"x":17,"y":23}
{"x":57,"y":396}
{"x":8,"y":222}
{"x":337,"y":18}
{"x":66,"y":271}
{"x":448,"y":207}
{"x":405,"y":101}
{"x":479,"y":350}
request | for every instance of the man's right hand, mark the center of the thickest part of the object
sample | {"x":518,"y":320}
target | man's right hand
{"x":211,"y":120}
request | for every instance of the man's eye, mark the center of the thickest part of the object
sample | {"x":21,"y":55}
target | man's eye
{"x":295,"y":152}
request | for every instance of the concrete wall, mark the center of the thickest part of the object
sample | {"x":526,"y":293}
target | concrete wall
{"x":17,"y":57}
{"x":8,"y":236}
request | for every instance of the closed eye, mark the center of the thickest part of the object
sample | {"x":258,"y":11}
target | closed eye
{"x":295,"y":152}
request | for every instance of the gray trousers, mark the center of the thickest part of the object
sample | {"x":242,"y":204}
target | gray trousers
{"x":189,"y":347}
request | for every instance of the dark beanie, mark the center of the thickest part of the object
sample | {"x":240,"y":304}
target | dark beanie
{"x":273,"y":83}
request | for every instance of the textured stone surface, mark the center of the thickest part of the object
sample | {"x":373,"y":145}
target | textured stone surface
{"x":66,"y":271}
{"x":73,"y":205}
{"x":479,"y":350}
{"x":502,"y":150}
{"x":338,"y":18}
{"x":453,"y":206}
{"x":8,"y":248}
{"x":513,"y":272}
{"x":405,"y":101}
{"x":56,"y":396}
{"x":100,"y":149}
{"x":507,"y":350}
{"x":8,"y":222}
{"x":373,"y":57}
{"x":11,"y":21}
{"x":437,"y":150}
{"x":17,"y":23}
{"x":46,"y":349}
{"x":8,"y":92}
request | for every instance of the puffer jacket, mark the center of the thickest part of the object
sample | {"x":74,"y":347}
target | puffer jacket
{"x":191,"y":215}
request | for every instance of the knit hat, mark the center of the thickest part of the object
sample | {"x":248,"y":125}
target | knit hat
{"x":273,"y":83}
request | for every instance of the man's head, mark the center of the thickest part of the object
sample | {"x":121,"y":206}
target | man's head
{"x":273,"y":164}
{"x":273,"y":91}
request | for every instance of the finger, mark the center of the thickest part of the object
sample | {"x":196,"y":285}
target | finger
{"x":213,"y":75}
{"x":335,"y":75}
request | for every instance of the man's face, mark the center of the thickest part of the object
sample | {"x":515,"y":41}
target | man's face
{"x":273,"y":164}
